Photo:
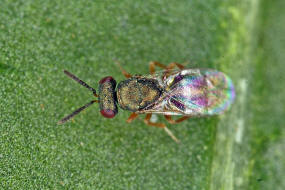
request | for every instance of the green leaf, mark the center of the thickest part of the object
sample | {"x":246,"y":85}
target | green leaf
{"x":241,"y":149}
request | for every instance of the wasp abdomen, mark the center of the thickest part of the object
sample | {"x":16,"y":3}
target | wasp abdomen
{"x":107,"y":97}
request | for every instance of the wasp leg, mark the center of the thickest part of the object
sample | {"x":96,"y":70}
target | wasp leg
{"x":153,"y":64}
{"x":132,"y":117}
{"x":170,"y":68}
{"x":172,"y":65}
{"x":125,"y":73}
{"x":172,"y":121}
{"x":160,"y":125}
{"x":166,"y":68}
{"x":148,"y":122}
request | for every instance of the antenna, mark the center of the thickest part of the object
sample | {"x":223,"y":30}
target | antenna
{"x":80,"y":82}
{"x":65,"y":119}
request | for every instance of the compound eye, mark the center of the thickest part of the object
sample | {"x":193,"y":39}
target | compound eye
{"x":107,"y":79}
{"x":108,"y":113}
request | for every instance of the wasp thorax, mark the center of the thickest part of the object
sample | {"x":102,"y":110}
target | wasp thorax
{"x":107,"y":97}
{"x":136,"y":94}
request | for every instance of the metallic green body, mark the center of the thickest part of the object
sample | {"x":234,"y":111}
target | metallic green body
{"x":136,"y":93}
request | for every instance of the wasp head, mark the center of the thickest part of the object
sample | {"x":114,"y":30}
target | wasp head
{"x":107,"y":97}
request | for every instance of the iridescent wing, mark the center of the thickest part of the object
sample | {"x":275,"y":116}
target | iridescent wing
{"x":195,"y":92}
{"x":220,"y":92}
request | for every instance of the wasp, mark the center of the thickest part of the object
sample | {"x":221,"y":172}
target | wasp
{"x":173,"y":91}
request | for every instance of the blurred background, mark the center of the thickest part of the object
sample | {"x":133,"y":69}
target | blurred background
{"x":241,"y":149}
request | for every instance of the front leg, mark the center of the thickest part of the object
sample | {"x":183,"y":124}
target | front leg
{"x":125,"y":73}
